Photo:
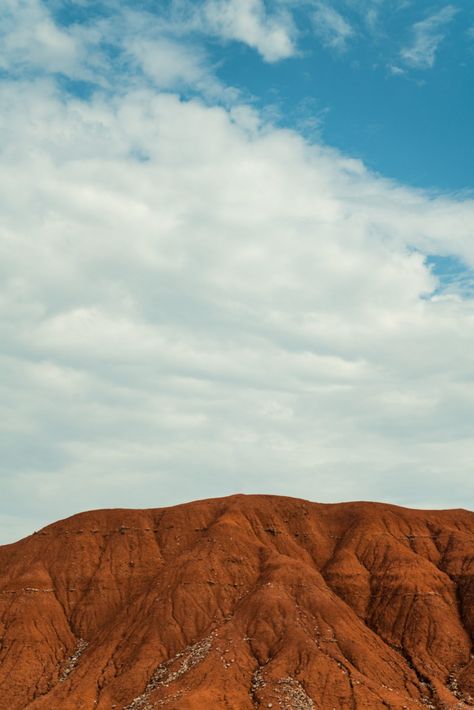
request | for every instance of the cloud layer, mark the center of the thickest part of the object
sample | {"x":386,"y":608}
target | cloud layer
{"x":195,"y":303}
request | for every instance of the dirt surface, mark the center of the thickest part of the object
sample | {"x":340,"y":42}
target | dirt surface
{"x":239,"y":603}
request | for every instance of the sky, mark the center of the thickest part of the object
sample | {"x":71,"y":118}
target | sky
{"x":236,"y":253}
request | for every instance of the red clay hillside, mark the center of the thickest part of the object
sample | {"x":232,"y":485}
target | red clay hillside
{"x":239,"y":603}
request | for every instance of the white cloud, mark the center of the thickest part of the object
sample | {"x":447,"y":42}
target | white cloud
{"x":395,"y":70}
{"x":331,"y":26}
{"x":171,"y":64}
{"x":427,"y":36}
{"x":248,"y":21}
{"x":166,"y":47}
{"x":30,"y":37}
{"x":33,"y":43}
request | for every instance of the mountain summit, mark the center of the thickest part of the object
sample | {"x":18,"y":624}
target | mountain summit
{"x":240,"y":603}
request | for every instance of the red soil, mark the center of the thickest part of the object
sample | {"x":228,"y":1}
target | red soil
{"x":240,"y":603}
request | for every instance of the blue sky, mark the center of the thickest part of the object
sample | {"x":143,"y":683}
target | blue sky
{"x":236,"y":253}
{"x":390,"y":83}
{"x":409,"y":120}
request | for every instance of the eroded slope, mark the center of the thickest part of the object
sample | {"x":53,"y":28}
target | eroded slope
{"x":242,"y":602}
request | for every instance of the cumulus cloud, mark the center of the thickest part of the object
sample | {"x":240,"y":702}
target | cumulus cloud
{"x":195,"y":302}
{"x":333,"y":29}
{"x":427,"y":36}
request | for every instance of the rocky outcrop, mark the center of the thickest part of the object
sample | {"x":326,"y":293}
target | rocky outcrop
{"x":239,"y":603}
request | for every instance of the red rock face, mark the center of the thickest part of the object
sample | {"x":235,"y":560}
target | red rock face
{"x":241,"y":602}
